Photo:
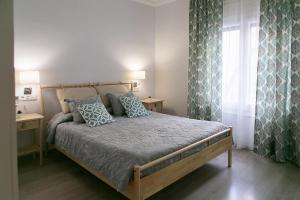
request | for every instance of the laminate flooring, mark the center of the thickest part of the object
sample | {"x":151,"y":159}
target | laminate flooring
{"x":251,"y":178}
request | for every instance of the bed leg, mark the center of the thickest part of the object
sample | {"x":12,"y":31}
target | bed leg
{"x":137,"y":184}
{"x":230,"y":150}
{"x":229,"y":157}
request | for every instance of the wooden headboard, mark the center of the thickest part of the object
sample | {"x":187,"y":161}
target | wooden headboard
{"x":53,"y":101}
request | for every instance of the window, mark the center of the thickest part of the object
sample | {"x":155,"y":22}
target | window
{"x":231,"y":55}
{"x":240,"y":54}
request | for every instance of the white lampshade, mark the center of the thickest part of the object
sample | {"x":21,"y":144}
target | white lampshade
{"x":30,"y":77}
{"x":138,"y":75}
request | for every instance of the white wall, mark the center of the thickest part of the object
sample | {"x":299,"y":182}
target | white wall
{"x":171,"y":55}
{"x":76,"y":41}
{"x":8,"y":166}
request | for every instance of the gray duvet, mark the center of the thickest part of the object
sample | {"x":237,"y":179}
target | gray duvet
{"x":114,"y":149}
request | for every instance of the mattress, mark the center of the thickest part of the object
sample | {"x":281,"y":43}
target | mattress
{"x":114,"y":149}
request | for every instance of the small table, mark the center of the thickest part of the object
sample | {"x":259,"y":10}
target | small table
{"x":153,"y":104}
{"x":31,"y":121}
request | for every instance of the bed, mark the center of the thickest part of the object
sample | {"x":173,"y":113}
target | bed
{"x":140,"y":156}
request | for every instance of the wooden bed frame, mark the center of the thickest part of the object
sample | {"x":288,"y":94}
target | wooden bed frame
{"x":141,"y":188}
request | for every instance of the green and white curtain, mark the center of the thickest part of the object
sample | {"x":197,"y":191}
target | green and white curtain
{"x":277,"y":106}
{"x":205,"y":61}
{"x":277,"y":127}
{"x":222,"y":70}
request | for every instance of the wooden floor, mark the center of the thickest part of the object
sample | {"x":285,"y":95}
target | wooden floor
{"x":250,"y":178}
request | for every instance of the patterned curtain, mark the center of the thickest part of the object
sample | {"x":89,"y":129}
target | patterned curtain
{"x":277,"y":129}
{"x":205,"y":60}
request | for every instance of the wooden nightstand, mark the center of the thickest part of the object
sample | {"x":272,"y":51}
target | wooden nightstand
{"x":32,"y":121}
{"x":153,"y":104}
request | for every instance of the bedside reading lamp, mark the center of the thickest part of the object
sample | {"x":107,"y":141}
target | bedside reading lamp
{"x":28,"y":79}
{"x":136,"y":76}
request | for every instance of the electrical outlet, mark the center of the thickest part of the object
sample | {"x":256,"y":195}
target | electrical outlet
{"x":28,"y":98}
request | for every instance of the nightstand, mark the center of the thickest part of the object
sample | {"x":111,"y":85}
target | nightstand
{"x":31,"y":121}
{"x":153,"y":104}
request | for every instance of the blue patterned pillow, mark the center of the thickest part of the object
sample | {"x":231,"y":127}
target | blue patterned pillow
{"x":133,"y":107}
{"x":74,"y":103}
{"x":94,"y":114}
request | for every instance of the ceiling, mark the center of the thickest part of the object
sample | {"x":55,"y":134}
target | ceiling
{"x":154,"y":3}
